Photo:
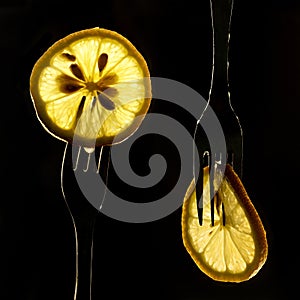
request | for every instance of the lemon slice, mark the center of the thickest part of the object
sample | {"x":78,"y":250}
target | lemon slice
{"x":235,"y":248}
{"x":93,"y":83}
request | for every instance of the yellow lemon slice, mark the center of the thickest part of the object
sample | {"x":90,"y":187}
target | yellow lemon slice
{"x":93,"y":83}
{"x":235,"y":248}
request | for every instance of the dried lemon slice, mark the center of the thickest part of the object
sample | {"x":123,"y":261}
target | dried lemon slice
{"x":235,"y":248}
{"x":94,"y":81}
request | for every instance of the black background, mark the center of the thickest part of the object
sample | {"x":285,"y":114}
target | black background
{"x":148,"y":261}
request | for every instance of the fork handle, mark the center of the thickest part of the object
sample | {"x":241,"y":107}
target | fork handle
{"x":221,"y":11}
{"x":84,"y":231}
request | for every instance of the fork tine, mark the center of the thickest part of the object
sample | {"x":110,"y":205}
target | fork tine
{"x":237,"y":163}
{"x":99,"y":160}
{"x":104,"y":162}
{"x":82,"y":159}
{"x":75,"y":163}
{"x":223,"y":214}
{"x":230,"y":157}
{"x":212,"y":189}
{"x":206,"y":162}
{"x":199,"y":193}
{"x":235,"y":153}
{"x":87,"y":163}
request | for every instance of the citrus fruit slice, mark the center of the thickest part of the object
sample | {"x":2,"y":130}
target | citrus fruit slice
{"x":235,"y":248}
{"x":93,"y":83}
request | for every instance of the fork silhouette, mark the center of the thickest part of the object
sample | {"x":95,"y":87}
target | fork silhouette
{"x":78,"y":160}
{"x":219,"y":101}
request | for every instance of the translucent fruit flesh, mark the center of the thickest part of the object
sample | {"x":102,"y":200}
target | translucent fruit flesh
{"x":93,"y":83}
{"x":235,"y":248}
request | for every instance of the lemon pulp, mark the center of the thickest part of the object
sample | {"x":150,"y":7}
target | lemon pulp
{"x":235,"y":248}
{"x":93,"y":83}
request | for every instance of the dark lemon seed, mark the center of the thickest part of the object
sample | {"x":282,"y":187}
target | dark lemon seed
{"x":68,"y":84}
{"x":68,"y":88}
{"x":218,"y":203}
{"x":76,"y":71}
{"x":106,"y":102}
{"x":102,"y":61}
{"x":223,"y":214}
{"x":109,"y":79}
{"x":93,"y":103}
{"x":80,"y":107}
{"x":69,"y":56}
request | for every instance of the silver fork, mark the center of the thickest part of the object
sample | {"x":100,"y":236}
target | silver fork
{"x":219,"y":101}
{"x":80,"y":161}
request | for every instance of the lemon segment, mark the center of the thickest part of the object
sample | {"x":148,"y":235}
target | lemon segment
{"x":93,"y":83}
{"x":233,"y":251}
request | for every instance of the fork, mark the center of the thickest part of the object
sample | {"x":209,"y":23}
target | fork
{"x":77,"y":161}
{"x":219,"y":101}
